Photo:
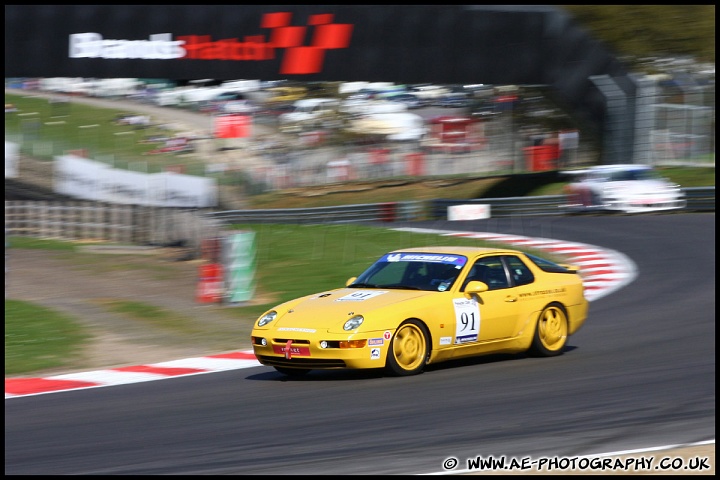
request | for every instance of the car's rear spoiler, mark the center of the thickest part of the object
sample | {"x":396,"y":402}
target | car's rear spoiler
{"x":570,"y":268}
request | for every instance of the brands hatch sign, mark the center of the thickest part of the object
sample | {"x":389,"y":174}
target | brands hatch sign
{"x":297,"y":59}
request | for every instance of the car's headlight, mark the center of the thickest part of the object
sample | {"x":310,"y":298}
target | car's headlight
{"x":353,"y":323}
{"x":267,"y":318}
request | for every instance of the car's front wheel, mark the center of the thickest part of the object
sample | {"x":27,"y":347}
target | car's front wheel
{"x":551,"y":332}
{"x":409,"y":349}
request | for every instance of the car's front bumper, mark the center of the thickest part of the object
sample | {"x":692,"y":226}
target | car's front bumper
{"x":638,"y":205}
{"x":309,"y":354}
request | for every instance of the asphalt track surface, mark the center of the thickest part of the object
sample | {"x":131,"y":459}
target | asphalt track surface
{"x":640,"y":373}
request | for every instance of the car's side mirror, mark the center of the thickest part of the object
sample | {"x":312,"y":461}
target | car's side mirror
{"x":350,"y":281}
{"x":475,"y":287}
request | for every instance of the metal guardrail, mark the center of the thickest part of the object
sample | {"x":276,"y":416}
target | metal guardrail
{"x":505,"y":207}
{"x":373,"y":212}
{"x":699,"y":199}
{"x":74,"y":220}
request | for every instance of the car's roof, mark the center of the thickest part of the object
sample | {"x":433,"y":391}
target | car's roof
{"x":456,"y":250}
{"x":618,"y":167}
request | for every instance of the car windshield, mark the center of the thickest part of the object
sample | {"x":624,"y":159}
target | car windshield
{"x":412,"y":271}
{"x":635,"y":174}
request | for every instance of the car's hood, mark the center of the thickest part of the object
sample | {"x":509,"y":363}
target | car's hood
{"x":330,"y":310}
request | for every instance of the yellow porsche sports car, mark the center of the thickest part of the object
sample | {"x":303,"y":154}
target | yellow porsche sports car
{"x":418,"y":306}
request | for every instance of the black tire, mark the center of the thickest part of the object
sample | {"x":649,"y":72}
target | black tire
{"x":292,"y":372}
{"x":551,"y":332}
{"x":409,"y":350}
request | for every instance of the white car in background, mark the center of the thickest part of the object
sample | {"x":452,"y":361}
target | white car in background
{"x":359,"y":107}
{"x":396,"y":126}
{"x":628,"y":188}
{"x":310,"y":113}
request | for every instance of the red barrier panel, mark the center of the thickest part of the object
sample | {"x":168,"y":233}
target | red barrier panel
{"x":388,"y":211}
{"x":233,"y":126}
{"x":414,"y":164}
{"x":379,"y":156}
{"x":210,"y":284}
{"x":542,"y":157}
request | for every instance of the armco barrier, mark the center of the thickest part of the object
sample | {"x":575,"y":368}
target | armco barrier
{"x":142,"y":225}
{"x":505,"y":207}
{"x":342,"y":214}
{"x":699,"y":199}
{"x":371,"y":212}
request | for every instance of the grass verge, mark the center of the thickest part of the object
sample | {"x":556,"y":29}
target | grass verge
{"x":38,"y":338}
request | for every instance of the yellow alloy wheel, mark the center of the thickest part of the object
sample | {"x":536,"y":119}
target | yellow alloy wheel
{"x":409,"y":349}
{"x":551,"y":332}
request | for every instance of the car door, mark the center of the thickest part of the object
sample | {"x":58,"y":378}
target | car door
{"x":491,"y":315}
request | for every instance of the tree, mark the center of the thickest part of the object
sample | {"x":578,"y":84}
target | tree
{"x":641,"y":31}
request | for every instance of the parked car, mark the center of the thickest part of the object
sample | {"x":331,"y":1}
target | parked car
{"x":360,"y":107}
{"x":283,"y":94}
{"x":311,"y":113}
{"x":418,"y":306}
{"x":628,"y":188}
{"x":428,"y":92}
{"x":409,"y":100}
{"x":454,"y":100}
{"x":238,"y":106}
{"x":395,"y":126}
{"x":229,"y":102}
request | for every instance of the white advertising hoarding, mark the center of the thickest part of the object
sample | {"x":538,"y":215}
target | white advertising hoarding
{"x":468,"y":212}
{"x":79,"y":177}
{"x":125,"y":186}
{"x":11,"y":159}
{"x":170,"y":189}
{"x":90,"y":180}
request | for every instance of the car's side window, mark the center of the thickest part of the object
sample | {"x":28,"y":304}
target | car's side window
{"x":489,"y":270}
{"x":520,"y":272}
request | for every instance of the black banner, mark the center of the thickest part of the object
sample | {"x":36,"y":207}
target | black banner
{"x":439,"y":44}
{"x":405,"y":44}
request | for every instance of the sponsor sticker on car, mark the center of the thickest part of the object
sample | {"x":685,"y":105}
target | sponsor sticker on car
{"x":291,"y":351}
{"x":467,"y":320}
{"x":361,"y":295}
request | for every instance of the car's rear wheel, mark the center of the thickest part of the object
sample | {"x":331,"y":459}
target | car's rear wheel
{"x":409,"y":349}
{"x":292,"y":372}
{"x":551,"y":331}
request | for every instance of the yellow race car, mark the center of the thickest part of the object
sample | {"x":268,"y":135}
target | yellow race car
{"x":418,"y":306}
